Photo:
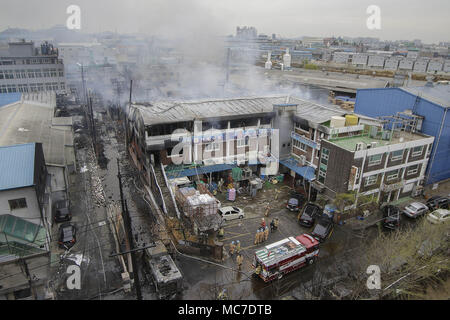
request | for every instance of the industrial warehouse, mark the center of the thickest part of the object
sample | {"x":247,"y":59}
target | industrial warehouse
{"x":161,"y":150}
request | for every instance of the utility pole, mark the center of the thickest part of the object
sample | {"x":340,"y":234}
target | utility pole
{"x":127,"y":223}
{"x":94,"y":132}
{"x":27,"y":272}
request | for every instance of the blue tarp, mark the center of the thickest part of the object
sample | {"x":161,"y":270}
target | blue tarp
{"x":8,"y":98}
{"x":306,"y":172}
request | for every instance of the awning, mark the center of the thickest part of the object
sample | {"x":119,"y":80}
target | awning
{"x":198,"y":170}
{"x":306,"y":172}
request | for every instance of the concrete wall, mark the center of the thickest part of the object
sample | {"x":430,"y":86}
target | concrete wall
{"x":30,"y":213}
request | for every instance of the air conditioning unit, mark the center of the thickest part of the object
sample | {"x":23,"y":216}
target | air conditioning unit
{"x":374,"y":144}
{"x":360,"y":146}
{"x":303,"y":160}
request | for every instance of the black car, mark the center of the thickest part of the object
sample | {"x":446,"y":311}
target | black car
{"x":309,"y":215}
{"x":391,"y":217}
{"x":61,"y":211}
{"x":437,"y":202}
{"x":295,"y":202}
{"x":323,"y":228}
{"x":67,"y":235}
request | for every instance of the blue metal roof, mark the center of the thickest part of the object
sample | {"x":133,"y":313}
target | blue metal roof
{"x":7,"y":98}
{"x":199,"y":170}
{"x":306,"y":172}
{"x":17,"y":166}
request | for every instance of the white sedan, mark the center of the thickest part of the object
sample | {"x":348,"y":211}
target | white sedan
{"x":415,"y":209}
{"x":439,"y":216}
{"x":230,"y":213}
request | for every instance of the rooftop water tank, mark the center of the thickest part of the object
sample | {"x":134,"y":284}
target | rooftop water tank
{"x":337,"y":122}
{"x":351,"y":120}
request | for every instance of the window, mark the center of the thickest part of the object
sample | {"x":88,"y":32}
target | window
{"x":412,"y":170}
{"x":61,"y":73}
{"x":46,"y":73}
{"x":23,"y":88}
{"x":12,"y":88}
{"x":3,"y":89}
{"x":375,"y":159}
{"x":416,"y":151}
{"x":213,"y":146}
{"x":17,"y":203}
{"x":396,"y":155}
{"x":371,"y":180}
{"x":301,"y":126}
{"x":1,"y":75}
{"x":38,"y":73}
{"x":30,"y":73}
{"x":300,"y":145}
{"x":18,"y":74}
{"x":429,"y":149}
{"x":392,"y":175}
{"x":53,"y":73}
{"x":8,"y":74}
{"x":63,"y":86}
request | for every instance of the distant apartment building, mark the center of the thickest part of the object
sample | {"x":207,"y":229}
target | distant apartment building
{"x":26,"y":68}
{"x":420,"y":65}
{"x":376,"y":61}
{"x":435,"y":66}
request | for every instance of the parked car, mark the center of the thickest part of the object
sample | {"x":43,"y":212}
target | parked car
{"x":391,"y":217}
{"x":415,"y":209}
{"x":61,"y":211}
{"x":323,"y":228}
{"x":230,"y":213}
{"x":295,"y":202}
{"x":309,"y":215}
{"x":439,"y":216}
{"x":67,"y":235}
{"x":438,"y":202}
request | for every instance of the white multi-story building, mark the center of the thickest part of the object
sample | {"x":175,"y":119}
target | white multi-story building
{"x":26,"y":68}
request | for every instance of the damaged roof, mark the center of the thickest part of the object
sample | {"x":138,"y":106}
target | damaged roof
{"x":32,"y":121}
{"x":172,"y":111}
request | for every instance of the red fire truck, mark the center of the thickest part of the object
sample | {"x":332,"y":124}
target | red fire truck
{"x":284,"y":256}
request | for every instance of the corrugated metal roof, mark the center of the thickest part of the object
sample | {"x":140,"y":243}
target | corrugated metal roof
{"x":438,"y":94}
{"x":170,"y":111}
{"x":31,"y":121}
{"x":17,"y":166}
{"x":306,"y":172}
{"x":314,"y":112}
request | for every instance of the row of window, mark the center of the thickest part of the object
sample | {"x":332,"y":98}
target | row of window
{"x":28,"y":61}
{"x":33,"y":87}
{"x":215,"y":146}
{"x":323,"y":165}
{"x":299,"y":145}
{"x":395,"y":155}
{"x":391,"y":175}
{"x":31,"y":73}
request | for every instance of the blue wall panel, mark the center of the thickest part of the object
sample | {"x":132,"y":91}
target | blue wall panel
{"x":388,"y":101}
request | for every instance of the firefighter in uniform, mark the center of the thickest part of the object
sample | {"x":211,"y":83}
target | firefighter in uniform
{"x":266,"y":233}
{"x":238,"y":246}
{"x":258,"y":270}
{"x":232,"y":248}
{"x":223,"y":295}
{"x":221,"y":232}
{"x":256,"y":236}
{"x":261,"y":235}
{"x":263,"y":222}
{"x":239,"y":260}
{"x":276,"y":223}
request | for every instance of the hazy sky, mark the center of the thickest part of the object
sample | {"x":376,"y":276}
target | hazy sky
{"x":400,"y":19}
